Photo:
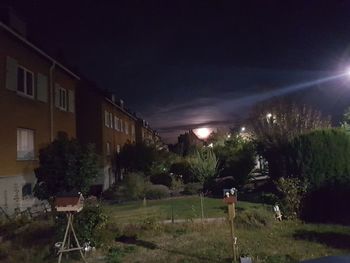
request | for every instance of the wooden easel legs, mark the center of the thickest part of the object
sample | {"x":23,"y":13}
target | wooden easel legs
{"x":63,"y":249}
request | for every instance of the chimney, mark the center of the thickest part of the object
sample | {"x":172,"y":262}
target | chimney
{"x":121,"y":103}
{"x":113,"y":98}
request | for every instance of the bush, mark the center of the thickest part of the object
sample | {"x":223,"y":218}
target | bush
{"x":327,"y":205}
{"x":134,"y":186}
{"x":292,"y":191}
{"x":111,"y":193}
{"x":237,"y":158}
{"x":164,"y":179}
{"x":203,"y":164}
{"x":193,"y":188}
{"x":87,"y":224}
{"x":156,"y":191}
{"x":322,"y":157}
{"x":254,"y":218}
{"x":183,"y":169}
{"x":65,"y":166}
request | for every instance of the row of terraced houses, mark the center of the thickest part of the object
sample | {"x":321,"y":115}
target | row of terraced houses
{"x":39,"y":98}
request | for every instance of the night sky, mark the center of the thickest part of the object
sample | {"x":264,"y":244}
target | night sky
{"x":188,"y":64}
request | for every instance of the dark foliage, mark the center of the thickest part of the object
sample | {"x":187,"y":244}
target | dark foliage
{"x":183,"y":169}
{"x":65,"y":166}
{"x":137,"y":157}
{"x":164,"y":179}
{"x":237,"y":158}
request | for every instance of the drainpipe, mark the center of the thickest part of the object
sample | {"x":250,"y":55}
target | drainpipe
{"x":52,"y":83}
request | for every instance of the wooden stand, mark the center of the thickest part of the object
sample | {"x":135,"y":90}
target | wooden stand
{"x":231,"y":216}
{"x":66,"y":239}
{"x":231,"y":201}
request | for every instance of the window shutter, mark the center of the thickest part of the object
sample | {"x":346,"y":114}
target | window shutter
{"x":57,"y":95}
{"x":11,"y":74}
{"x":71,"y":101}
{"x":42,"y":86}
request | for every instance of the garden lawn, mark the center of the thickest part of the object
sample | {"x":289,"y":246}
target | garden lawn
{"x":182,"y":208}
{"x":282,"y":242}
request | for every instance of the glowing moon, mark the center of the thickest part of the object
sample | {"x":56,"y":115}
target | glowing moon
{"x":202,"y":133}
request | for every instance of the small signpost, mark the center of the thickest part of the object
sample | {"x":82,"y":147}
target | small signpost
{"x":69,"y":205}
{"x":230,"y":198}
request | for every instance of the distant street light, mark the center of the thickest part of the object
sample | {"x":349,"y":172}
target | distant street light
{"x":269,"y":115}
{"x":243,"y":129}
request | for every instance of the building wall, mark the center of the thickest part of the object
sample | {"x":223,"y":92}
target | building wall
{"x":20,"y":111}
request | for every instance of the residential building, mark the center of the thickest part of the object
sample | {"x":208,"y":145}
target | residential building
{"x":104,"y":120}
{"x":37,"y":101}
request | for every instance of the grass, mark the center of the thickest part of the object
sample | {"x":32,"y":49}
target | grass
{"x":282,"y":242}
{"x":134,"y":234}
{"x":183,"y":208}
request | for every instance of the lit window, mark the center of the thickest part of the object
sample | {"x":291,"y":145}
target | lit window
{"x":25,"y":144}
{"x":25,"y":82}
{"x":133,"y":129}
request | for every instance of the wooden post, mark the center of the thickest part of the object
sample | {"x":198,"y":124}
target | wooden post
{"x":202,"y":208}
{"x":231,"y":200}
{"x":231,"y":216}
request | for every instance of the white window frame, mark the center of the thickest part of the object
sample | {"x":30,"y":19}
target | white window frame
{"x":121,"y":125}
{"x":25,"y":89}
{"x":26,"y":150}
{"x":126,"y":127}
{"x":110,"y":120}
{"x":115,"y":119}
{"x":62,"y":104}
{"x":106,"y":118}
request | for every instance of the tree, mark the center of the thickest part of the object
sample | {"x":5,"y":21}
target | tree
{"x":203,"y":164}
{"x":275,"y":124}
{"x":65,"y":166}
{"x":237,"y":158}
{"x":137,"y":157}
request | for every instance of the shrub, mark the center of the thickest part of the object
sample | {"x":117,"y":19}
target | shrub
{"x":183,"y":169}
{"x":164,"y":179}
{"x":192,"y":188}
{"x":87,"y":224}
{"x":327,"y":205}
{"x":269,"y":198}
{"x":156,"y":191}
{"x":292,"y":191}
{"x":134,"y":186}
{"x":111,"y":193}
{"x":322,"y":157}
{"x":254,"y":218}
{"x":65,"y":166}
{"x":237,"y":158}
{"x":203,"y":164}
